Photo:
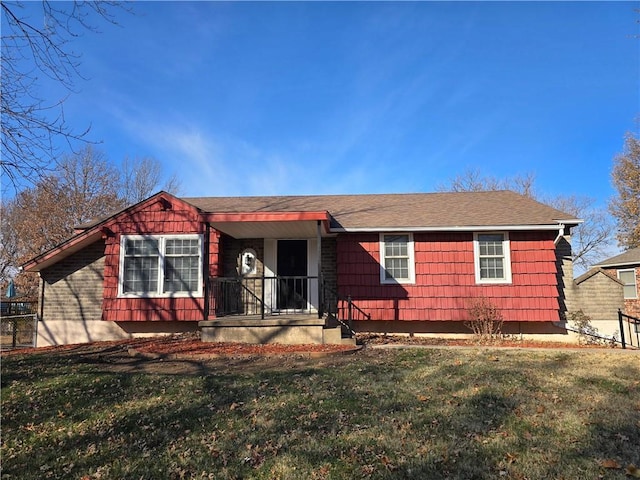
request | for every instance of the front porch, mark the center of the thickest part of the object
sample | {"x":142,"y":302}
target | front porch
{"x":287,"y":310}
{"x":276,"y":280}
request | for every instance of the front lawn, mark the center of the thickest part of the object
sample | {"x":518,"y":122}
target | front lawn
{"x":406,"y":413}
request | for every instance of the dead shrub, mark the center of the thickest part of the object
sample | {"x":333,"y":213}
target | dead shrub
{"x":587,"y":333}
{"x":485,"y":320}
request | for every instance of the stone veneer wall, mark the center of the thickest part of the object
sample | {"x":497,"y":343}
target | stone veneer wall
{"x":231,"y":249}
{"x":329,"y":259}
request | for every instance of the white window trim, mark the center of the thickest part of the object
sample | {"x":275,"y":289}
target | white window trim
{"x":159,"y":294}
{"x":506,"y":249}
{"x":635,"y":281}
{"x":412,"y":261}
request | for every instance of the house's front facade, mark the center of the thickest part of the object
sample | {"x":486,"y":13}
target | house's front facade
{"x":408,"y":263}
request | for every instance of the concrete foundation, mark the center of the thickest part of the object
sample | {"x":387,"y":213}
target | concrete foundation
{"x":309,"y":330}
{"x":61,"y":332}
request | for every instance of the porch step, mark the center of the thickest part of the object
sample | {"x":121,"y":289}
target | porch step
{"x":334,"y":336}
{"x":348,"y":341}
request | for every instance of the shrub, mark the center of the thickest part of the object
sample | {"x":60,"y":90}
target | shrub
{"x":587,"y":333}
{"x":485,"y":320}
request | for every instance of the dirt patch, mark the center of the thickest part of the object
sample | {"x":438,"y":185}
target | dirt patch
{"x":187,"y":354}
{"x":184,"y":345}
{"x":189,"y":345}
{"x":376,"y":339}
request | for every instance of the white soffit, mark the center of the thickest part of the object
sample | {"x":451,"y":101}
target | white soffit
{"x":290,"y":229}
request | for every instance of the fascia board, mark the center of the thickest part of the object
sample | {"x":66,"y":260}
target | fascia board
{"x":467,"y":228}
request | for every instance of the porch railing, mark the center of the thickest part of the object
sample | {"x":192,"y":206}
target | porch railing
{"x":278,"y":295}
{"x":631,"y":337}
{"x":264,"y":296}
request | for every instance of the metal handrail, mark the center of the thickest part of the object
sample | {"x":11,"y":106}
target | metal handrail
{"x":630,"y":320}
{"x":352,"y":310}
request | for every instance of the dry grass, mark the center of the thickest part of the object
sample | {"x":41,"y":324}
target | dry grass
{"x":407,"y":413}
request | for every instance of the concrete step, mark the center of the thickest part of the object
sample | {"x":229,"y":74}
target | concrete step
{"x":334,"y":335}
{"x":331,"y":335}
{"x":348,"y":341}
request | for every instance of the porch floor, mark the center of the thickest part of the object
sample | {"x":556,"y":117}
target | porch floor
{"x":275,"y":316}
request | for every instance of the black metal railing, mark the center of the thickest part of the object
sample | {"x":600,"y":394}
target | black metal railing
{"x":264,"y":296}
{"x":278,"y":295}
{"x":632,"y":325}
{"x":342,"y":309}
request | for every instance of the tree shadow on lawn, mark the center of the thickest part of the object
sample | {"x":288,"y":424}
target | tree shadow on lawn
{"x":397,"y":415}
{"x":591,"y":404}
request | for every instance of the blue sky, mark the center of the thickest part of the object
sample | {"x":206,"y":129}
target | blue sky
{"x":357,"y":97}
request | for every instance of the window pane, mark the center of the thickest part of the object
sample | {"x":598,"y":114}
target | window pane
{"x":397,"y":268}
{"x":396,"y":257}
{"x":630,"y":291}
{"x":181,"y":246}
{"x":141,"y":246}
{"x":491,"y":268}
{"x":140,"y":275}
{"x":181,"y":274}
{"x":490,"y":244}
{"x":626,"y":276}
{"x":491,"y":256}
{"x":396,"y":245}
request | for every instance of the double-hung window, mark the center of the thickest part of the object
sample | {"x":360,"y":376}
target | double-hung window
{"x":160,"y":265}
{"x":492,"y":258}
{"x":397,"y":258}
{"x":628,"y":277}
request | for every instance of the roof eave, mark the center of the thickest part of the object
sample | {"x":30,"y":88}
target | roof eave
{"x":453,"y":228}
{"x":618,"y":264}
{"x":63,"y":250}
{"x":90,"y":233}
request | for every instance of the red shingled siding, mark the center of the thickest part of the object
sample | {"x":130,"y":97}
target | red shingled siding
{"x":152,"y":219}
{"x":445,"y":278}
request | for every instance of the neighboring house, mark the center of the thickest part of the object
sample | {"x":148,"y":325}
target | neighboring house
{"x":609,"y":286}
{"x":626,"y":268}
{"x":410,"y":263}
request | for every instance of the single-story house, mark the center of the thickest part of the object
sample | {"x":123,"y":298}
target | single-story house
{"x":609,"y":286}
{"x":393,"y":263}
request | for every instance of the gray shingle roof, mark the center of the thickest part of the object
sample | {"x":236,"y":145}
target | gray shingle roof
{"x":630,"y":257}
{"x":410,"y":210}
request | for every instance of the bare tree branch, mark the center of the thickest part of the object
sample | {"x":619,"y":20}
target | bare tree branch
{"x":590,"y":240}
{"x":83,"y":186}
{"x":141,"y":177}
{"x":32,"y":125}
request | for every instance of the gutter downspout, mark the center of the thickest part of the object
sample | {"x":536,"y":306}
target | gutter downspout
{"x":560,"y":233}
{"x":561,"y":324}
